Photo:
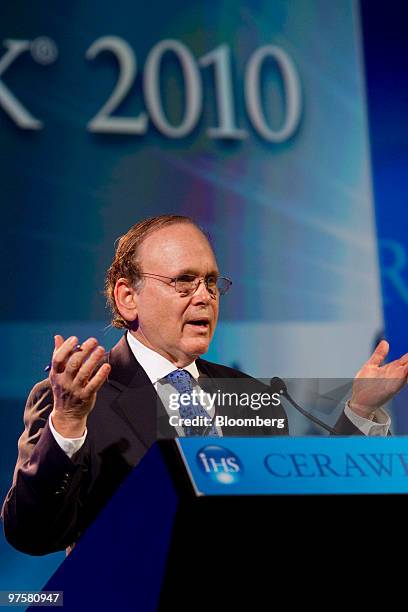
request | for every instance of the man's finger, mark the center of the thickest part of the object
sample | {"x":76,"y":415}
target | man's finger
{"x":77,"y":358}
{"x":88,"y":367}
{"x":97,"y":381}
{"x":403,"y":361}
{"x":62,"y":353}
{"x":380,"y":353}
{"x":58,"y":341}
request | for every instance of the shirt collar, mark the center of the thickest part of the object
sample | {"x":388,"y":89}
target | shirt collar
{"x":155,"y":365}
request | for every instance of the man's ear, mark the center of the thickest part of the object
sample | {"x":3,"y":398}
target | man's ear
{"x":126,"y":299}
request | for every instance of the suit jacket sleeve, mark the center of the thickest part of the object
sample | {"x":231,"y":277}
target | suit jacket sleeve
{"x":41,"y":512}
{"x":345,"y":427}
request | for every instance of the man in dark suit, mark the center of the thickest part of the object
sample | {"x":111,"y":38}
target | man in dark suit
{"x":93,"y":420}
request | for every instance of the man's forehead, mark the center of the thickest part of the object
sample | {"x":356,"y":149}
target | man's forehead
{"x":178,"y":240}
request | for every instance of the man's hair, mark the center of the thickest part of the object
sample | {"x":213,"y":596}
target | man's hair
{"x":125,"y":263}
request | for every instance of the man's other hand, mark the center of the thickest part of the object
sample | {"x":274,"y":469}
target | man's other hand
{"x":374,"y":385}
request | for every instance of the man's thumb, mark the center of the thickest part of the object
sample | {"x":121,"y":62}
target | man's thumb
{"x":380,"y":353}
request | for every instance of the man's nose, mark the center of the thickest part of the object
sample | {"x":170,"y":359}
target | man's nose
{"x":201,"y":293}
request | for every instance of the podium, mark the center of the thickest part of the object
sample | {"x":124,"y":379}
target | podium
{"x":221,"y":517}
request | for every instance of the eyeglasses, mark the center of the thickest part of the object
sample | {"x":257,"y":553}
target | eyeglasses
{"x":187,"y":284}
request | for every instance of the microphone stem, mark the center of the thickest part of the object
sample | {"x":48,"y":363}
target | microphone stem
{"x":308,"y":415}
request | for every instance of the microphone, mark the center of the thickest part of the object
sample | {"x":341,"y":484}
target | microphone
{"x":279,"y":386}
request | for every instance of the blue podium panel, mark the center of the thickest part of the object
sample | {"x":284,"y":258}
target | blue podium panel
{"x":268,"y":466}
{"x":119,"y":562}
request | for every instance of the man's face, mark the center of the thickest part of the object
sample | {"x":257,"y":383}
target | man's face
{"x":178,"y":327}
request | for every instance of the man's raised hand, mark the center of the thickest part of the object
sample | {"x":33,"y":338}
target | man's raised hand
{"x":75,"y":379}
{"x":375,"y":384}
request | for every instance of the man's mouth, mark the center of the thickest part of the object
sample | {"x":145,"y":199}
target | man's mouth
{"x":200,"y":324}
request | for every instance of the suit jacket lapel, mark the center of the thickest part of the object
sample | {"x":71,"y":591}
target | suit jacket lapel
{"x":211,"y":383}
{"x":138,"y":403}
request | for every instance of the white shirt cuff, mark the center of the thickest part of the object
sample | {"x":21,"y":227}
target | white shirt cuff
{"x":70,"y":446}
{"x":379,"y":427}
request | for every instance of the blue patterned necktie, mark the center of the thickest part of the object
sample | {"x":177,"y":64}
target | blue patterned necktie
{"x":182,"y":382}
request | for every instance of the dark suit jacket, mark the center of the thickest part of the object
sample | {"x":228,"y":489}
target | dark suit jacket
{"x":53,"y":498}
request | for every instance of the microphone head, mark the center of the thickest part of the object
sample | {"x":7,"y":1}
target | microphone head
{"x":278,"y":386}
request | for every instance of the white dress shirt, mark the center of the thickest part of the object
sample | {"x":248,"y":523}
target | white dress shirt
{"x":157,"y":368}
{"x":379,"y":427}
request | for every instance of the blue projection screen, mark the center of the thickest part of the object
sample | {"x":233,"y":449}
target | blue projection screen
{"x":248,"y":116}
